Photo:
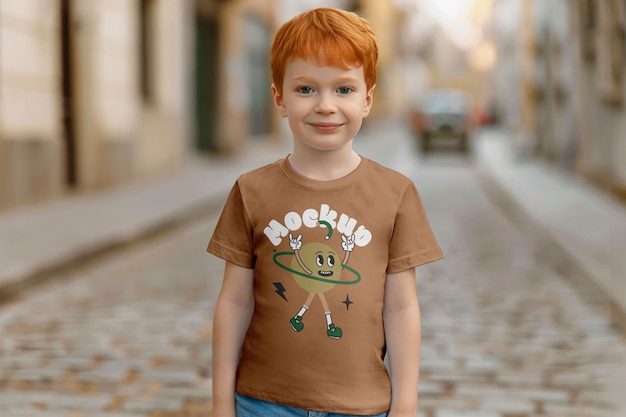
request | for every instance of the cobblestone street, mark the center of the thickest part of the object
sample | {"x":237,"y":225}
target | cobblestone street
{"x":506,"y":333}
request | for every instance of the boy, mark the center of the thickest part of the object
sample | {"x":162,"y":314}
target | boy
{"x":320,"y":248}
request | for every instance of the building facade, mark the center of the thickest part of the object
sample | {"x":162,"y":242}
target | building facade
{"x":599,"y":35}
{"x":568,"y":105}
{"x":92,"y":94}
{"x":233,"y":103}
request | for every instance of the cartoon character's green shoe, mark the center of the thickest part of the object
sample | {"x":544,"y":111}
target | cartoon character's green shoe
{"x":334,"y":332}
{"x":296,"y":323}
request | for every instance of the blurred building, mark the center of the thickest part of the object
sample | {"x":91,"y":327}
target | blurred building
{"x":99,"y":93}
{"x":445,"y":49}
{"x":92,"y":94}
{"x":598,"y":35}
{"x":561,"y":83}
{"x":232,"y":93}
{"x":387,"y":18}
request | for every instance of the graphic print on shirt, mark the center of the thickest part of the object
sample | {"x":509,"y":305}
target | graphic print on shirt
{"x":315,"y":266}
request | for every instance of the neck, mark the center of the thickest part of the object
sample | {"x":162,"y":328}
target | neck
{"x":324,"y":165}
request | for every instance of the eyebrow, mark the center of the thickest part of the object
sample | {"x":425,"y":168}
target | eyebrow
{"x":337,"y":80}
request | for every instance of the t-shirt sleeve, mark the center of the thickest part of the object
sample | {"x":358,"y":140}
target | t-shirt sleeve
{"x":412,"y":243}
{"x":232,"y":238}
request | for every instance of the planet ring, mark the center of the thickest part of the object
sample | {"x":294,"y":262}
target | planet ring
{"x":302,"y":274}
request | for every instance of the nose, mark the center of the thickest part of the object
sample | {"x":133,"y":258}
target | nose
{"x":325,"y":104}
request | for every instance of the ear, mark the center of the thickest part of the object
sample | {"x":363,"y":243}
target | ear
{"x":279,"y":102}
{"x":369,"y":100}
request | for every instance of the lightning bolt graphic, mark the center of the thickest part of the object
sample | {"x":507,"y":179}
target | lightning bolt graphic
{"x":280,"y":290}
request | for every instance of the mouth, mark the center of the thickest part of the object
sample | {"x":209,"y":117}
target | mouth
{"x":325,"y":273}
{"x":326,"y":127}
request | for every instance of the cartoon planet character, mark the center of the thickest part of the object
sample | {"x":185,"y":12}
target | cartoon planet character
{"x":317,"y":268}
{"x":323,"y":262}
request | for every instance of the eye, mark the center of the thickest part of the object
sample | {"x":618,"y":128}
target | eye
{"x":304,"y":90}
{"x":320,"y":260}
{"x":331,"y":260}
{"x":344,"y":90}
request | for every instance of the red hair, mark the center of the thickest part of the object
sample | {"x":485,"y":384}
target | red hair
{"x":331,"y":37}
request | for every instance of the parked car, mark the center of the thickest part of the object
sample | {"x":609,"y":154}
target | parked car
{"x":443,"y":115}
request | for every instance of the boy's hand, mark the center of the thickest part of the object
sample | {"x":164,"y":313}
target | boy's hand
{"x":348,"y":243}
{"x":296,"y":243}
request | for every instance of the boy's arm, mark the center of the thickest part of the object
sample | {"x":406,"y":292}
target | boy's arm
{"x":233,"y":311}
{"x":401,"y":315}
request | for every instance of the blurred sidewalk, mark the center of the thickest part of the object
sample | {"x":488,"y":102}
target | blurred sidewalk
{"x":39,"y":240}
{"x":579,"y":227}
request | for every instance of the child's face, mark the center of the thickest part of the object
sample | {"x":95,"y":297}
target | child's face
{"x":325,"y":106}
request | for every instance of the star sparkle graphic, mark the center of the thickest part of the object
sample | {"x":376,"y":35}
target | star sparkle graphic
{"x":347,"y":302}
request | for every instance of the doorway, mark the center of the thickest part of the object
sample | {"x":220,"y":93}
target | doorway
{"x":206,"y":81}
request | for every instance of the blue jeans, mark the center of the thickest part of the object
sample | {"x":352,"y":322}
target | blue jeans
{"x":251,"y":407}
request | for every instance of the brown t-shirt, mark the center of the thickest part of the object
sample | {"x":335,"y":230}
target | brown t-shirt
{"x":332,"y":242}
